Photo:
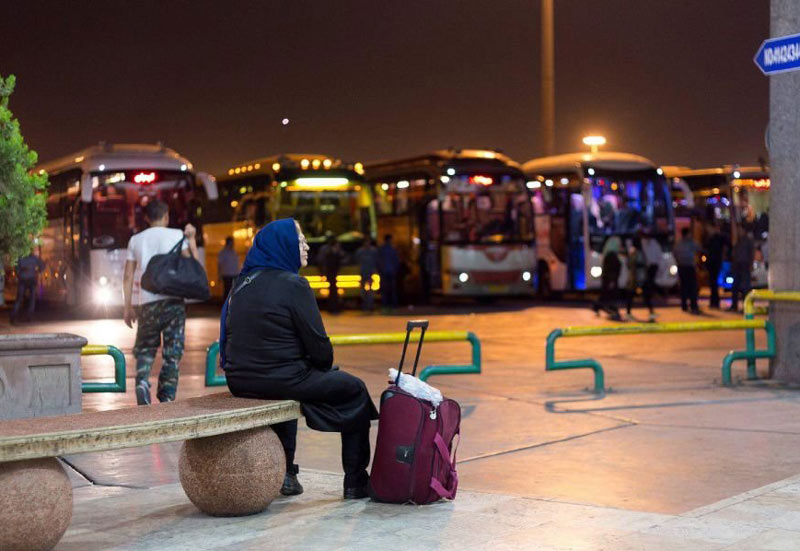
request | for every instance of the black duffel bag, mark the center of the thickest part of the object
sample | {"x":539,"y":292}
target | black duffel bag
{"x":175,"y":275}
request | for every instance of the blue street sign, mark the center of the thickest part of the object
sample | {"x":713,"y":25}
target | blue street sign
{"x":778,"y":55}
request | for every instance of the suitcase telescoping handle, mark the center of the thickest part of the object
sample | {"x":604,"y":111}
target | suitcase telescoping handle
{"x":410,"y":326}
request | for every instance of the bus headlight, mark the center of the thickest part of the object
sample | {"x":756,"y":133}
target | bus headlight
{"x":103,"y":281}
{"x":463,"y":277}
{"x":596,"y":271}
{"x":673,"y":270}
{"x":102,"y":296}
{"x":526,"y":276}
{"x":729,"y":280}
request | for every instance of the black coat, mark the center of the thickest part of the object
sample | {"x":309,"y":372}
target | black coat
{"x":277,"y":348}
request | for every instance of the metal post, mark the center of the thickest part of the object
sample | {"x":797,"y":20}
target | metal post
{"x":548,"y":94}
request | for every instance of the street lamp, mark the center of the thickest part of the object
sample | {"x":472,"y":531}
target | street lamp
{"x":594,"y":142}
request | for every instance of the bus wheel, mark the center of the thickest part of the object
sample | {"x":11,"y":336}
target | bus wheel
{"x":544,"y":289}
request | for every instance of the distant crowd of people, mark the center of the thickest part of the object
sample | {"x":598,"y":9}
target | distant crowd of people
{"x":641,"y":259}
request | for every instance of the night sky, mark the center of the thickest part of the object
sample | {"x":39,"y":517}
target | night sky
{"x":373,"y":79}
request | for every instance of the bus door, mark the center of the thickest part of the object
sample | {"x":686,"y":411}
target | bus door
{"x":553,"y":235}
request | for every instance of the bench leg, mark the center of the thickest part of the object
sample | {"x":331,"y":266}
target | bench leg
{"x":233,"y":474}
{"x":35,"y":504}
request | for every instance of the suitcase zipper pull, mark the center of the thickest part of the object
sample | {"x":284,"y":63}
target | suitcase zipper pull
{"x":433,"y":413}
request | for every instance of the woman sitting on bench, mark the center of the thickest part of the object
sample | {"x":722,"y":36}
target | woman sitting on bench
{"x":273,"y":345}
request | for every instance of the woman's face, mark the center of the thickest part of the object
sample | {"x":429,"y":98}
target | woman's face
{"x":303,"y":245}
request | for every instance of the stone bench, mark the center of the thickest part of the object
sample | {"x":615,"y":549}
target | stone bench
{"x":231,"y":464}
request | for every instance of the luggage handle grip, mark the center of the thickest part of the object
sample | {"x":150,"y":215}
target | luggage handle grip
{"x":423,"y":325}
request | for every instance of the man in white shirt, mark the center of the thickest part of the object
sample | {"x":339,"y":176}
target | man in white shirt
{"x":157,"y":315}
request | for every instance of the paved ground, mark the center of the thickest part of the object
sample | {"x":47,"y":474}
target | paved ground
{"x":667,"y":460}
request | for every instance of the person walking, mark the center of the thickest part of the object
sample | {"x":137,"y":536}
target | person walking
{"x":388,"y":266}
{"x":685,"y":252}
{"x":652,"y":251}
{"x":367,"y":258}
{"x":274,"y":346}
{"x":742,"y":258}
{"x":158,"y":316}
{"x":715,"y":252}
{"x":227,"y":266}
{"x":609,"y":279}
{"x":330,"y":262}
{"x":637,"y":278}
{"x":28,"y":269}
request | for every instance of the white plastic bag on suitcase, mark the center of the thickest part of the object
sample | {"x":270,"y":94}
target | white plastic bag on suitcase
{"x":418,"y":389}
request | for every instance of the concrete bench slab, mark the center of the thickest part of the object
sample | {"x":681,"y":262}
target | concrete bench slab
{"x":231,"y":464}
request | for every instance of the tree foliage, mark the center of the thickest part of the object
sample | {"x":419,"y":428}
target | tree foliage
{"x":22,"y":191}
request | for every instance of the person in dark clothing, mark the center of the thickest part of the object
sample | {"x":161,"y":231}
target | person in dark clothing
{"x":609,"y":279}
{"x":273,"y":345}
{"x":715,"y":251}
{"x":227,"y":266}
{"x":685,"y":252}
{"x":28,"y":269}
{"x":389,"y":267}
{"x":330,"y":262}
{"x":742,"y":258}
{"x":367,"y":259}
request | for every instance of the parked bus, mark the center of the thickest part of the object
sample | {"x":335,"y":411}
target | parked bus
{"x":582,"y":199}
{"x":461,"y":220}
{"x":327,"y":197}
{"x":731,"y":197}
{"x":95,"y":203}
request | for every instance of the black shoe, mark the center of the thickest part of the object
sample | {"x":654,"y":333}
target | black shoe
{"x":143,"y":393}
{"x":357,"y":492}
{"x":291,"y":486}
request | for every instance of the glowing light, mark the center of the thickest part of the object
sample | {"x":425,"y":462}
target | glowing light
{"x":385,"y":187}
{"x":315,"y":163}
{"x":463,"y":277}
{"x":590,"y":172}
{"x":526,"y":276}
{"x":715,"y":191}
{"x":145,"y":178}
{"x":564,"y":181}
{"x":304,"y":164}
{"x":451,"y":171}
{"x":359,"y":168}
{"x":102,"y":280}
{"x":402,"y":184}
{"x":594,"y":142}
{"x":276,"y":167}
{"x":79,"y":159}
{"x":284,"y":122}
{"x":327,"y":163}
{"x":234,"y":204}
{"x":481,"y":180}
{"x":445,"y":179}
{"x":534,"y":184}
{"x":257,"y":166}
{"x":704,"y":258}
{"x":238,"y":170}
{"x":183,"y":168}
{"x":729,"y":279}
{"x":596,"y":271}
{"x":737,"y":174}
{"x":548,"y":182}
{"x":673,"y":270}
{"x":322,"y":182}
{"x":102,"y":296}
{"x":230,"y":172}
{"x":659,"y":171}
{"x":102,"y":168}
{"x":249,"y":168}
{"x":614,"y":186}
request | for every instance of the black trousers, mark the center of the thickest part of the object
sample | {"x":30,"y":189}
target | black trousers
{"x":320,"y":393}
{"x":227,"y":283}
{"x":713,"y":276}
{"x":688,"y":280}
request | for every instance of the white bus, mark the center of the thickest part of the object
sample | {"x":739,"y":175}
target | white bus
{"x":95,"y":203}
{"x":582,"y":199}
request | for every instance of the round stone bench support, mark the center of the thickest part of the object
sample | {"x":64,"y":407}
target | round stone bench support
{"x":233,"y":474}
{"x":35,"y":504}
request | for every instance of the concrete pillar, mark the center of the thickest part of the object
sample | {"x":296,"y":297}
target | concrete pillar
{"x":784,"y":224}
{"x":548,"y":95}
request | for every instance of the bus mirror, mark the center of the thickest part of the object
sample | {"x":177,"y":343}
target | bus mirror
{"x":86,"y":188}
{"x":210,"y":185}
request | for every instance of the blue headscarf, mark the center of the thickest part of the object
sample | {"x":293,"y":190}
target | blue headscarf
{"x":276,"y":246}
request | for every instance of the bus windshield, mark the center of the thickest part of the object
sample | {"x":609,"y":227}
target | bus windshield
{"x":343,"y":211}
{"x":484,"y":209}
{"x":624,"y":203}
{"x":119,"y":200}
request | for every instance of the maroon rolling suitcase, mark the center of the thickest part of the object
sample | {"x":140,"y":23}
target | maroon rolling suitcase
{"x":414,"y":457}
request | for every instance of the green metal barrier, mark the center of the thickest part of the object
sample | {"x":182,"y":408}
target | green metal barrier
{"x":642,"y":328}
{"x":119,"y":368}
{"x":750,"y":311}
{"x":212,"y":352}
